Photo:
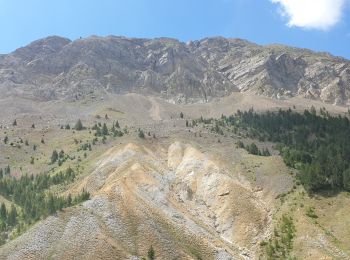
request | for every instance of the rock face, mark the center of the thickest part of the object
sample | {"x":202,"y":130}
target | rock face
{"x":171,"y":199}
{"x":56,"y":67}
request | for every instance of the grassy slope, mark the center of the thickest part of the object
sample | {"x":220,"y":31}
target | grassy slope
{"x":315,"y":237}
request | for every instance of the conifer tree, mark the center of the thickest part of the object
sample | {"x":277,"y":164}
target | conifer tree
{"x":104,"y":129}
{"x":54,"y":156}
{"x":12,"y":216}
{"x":3,"y":212}
{"x":79,"y":125}
{"x":151,"y":253}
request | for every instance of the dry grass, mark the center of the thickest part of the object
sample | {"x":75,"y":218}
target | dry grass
{"x":128,"y":210}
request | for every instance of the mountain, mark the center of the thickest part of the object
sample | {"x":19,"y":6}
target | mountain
{"x":55,"y":68}
{"x":114,"y":148}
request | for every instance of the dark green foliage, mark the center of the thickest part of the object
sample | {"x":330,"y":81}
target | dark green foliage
{"x":84,"y":195}
{"x":141,"y":134}
{"x":253,"y":149}
{"x":310,"y":212}
{"x":6,"y":171}
{"x":265,"y":152}
{"x":281,"y":244}
{"x":3,"y":212}
{"x":151,"y":253}
{"x":79,"y":125}
{"x":14,"y":122}
{"x":85,"y":147}
{"x":31,"y":193}
{"x":317,"y":145}
{"x":181,"y":115}
{"x":54,"y":157}
{"x":12,"y":216}
{"x":240,"y":144}
{"x":217,"y":129}
{"x":104,"y":129}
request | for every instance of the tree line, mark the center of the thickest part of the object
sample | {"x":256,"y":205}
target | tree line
{"x":32,"y":194}
{"x":317,"y":144}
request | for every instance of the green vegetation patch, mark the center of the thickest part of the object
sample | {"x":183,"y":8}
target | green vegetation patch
{"x":32,"y":194}
{"x":281,"y":243}
{"x":316,"y":144}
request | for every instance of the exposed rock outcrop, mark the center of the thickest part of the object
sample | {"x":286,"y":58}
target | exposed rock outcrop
{"x":56,"y":67}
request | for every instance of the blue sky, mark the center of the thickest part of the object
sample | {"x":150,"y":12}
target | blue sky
{"x":322,"y":25}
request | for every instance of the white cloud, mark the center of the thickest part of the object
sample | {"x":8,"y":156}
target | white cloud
{"x":312,"y":14}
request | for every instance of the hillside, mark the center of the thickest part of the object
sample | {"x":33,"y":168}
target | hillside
{"x":187,"y":191}
{"x":120,"y":148}
{"x":55,"y":68}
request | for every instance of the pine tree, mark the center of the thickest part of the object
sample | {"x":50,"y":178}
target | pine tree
{"x":69,"y":200}
{"x":3,"y":212}
{"x":151,"y":253}
{"x":253,"y":149}
{"x":12,"y":216}
{"x":79,"y":125}
{"x":7,"y":170}
{"x":141,"y":134}
{"x":51,"y":204}
{"x":54,"y":157}
{"x":104,"y":129}
{"x":61,"y":154}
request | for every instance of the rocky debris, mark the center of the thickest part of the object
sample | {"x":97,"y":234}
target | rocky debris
{"x":141,"y":199}
{"x":198,"y":71}
{"x":224,"y":194}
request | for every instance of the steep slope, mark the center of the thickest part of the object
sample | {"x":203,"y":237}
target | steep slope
{"x":277,"y":70}
{"x":55,"y":67}
{"x":179,"y":201}
{"x":189,"y":192}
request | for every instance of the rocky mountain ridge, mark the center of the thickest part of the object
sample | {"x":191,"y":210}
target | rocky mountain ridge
{"x":55,"y":67}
